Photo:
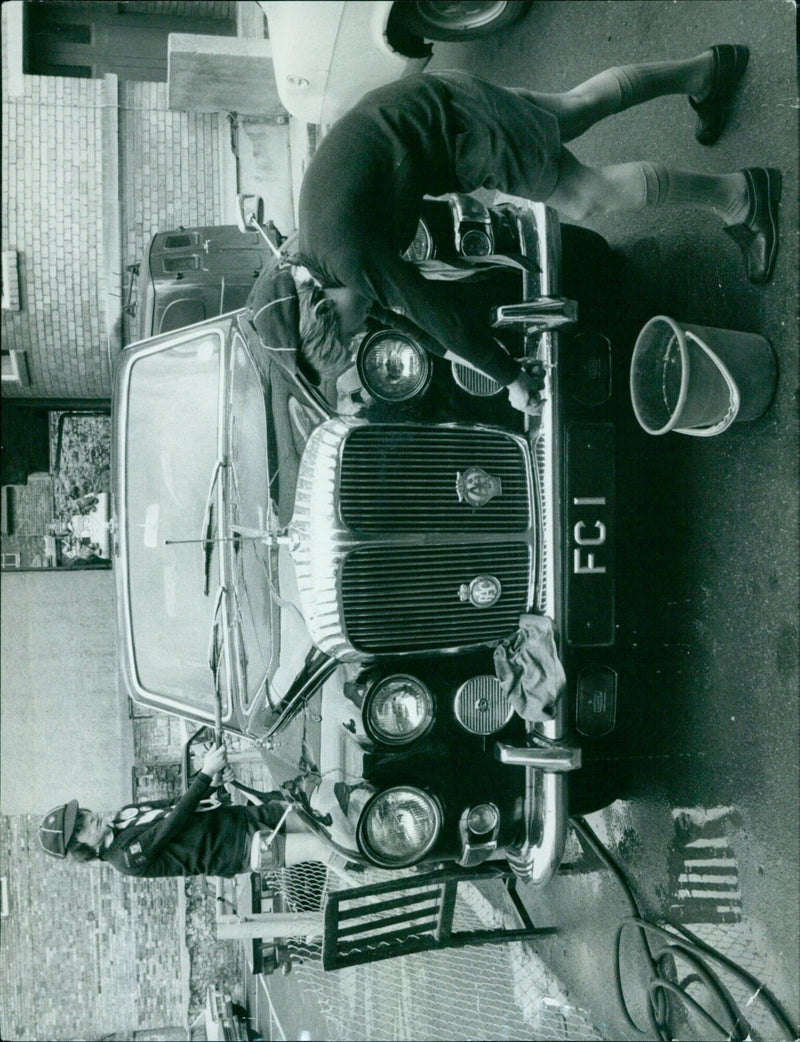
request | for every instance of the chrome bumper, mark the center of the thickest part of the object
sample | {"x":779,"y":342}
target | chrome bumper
{"x":547,"y":758}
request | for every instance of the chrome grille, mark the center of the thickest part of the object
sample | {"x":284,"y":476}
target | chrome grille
{"x":478,"y":384}
{"x":481,"y":707}
{"x":403,"y":480}
{"x":403,"y":597}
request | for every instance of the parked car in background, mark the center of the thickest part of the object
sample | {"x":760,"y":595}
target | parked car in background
{"x":225,"y":1021}
{"x":191,"y":274}
{"x":328,"y":55}
{"x":326,"y":566}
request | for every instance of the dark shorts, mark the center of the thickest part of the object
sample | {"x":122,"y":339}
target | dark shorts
{"x":508,"y":142}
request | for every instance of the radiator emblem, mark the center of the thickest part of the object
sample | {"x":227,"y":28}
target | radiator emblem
{"x":476,"y":487}
{"x":482,"y":592}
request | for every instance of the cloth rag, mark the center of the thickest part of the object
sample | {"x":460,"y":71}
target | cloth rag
{"x":529,"y":670}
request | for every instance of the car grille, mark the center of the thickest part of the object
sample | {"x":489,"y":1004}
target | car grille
{"x":389,"y":560}
{"x":396,"y":479}
{"x":476,"y":383}
{"x":400,"y":598}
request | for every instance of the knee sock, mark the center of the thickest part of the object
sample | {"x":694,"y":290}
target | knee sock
{"x":648,"y":80}
{"x":621,"y":87}
{"x":722,"y":194}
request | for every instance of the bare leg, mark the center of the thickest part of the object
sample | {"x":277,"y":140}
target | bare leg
{"x":583,"y":191}
{"x":621,"y":87}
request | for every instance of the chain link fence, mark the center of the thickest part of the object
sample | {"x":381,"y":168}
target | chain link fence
{"x":493,"y":991}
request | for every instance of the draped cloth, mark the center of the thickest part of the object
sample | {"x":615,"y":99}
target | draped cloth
{"x":529,"y":669}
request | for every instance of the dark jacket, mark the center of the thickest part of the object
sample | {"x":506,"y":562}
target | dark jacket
{"x":188,"y":840}
{"x":362,"y":193}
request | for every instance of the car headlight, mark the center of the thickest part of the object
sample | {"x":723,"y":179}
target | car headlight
{"x":393,"y":367}
{"x":398,"y":827}
{"x":398,"y":709}
{"x":421,"y":247}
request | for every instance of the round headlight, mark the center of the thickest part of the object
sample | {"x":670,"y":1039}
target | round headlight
{"x":398,"y":827}
{"x":393,"y":367}
{"x":398,"y":709}
{"x":421,"y":247}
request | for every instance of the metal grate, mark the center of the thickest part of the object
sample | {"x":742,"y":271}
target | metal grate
{"x":478,"y":384}
{"x":403,"y":479}
{"x":506,"y":990}
{"x":481,"y":707}
{"x":399,"y":598}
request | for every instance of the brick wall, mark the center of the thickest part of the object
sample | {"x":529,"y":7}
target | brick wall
{"x":53,"y":209}
{"x":29,"y":509}
{"x":85,"y":950}
{"x":169,"y":168}
{"x":52,"y":215}
{"x":158,"y":737}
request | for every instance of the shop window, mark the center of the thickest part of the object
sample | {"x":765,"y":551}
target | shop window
{"x":10,"y":296}
{"x":56,"y":487}
{"x":14,"y":368}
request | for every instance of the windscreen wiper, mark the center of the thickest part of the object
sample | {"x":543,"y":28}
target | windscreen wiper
{"x":236,"y":622}
{"x":208,"y":526}
{"x":214,"y":644}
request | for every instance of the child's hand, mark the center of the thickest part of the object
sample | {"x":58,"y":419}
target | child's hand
{"x":214,"y":761}
{"x":523,"y":394}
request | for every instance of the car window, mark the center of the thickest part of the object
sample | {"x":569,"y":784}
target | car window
{"x":171,"y":453}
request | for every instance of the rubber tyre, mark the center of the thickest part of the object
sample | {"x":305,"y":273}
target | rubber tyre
{"x":429,"y":18}
{"x":590,"y":273}
{"x":591,"y":789}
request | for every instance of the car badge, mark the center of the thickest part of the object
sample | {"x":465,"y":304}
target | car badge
{"x":482,"y":592}
{"x":476,"y":487}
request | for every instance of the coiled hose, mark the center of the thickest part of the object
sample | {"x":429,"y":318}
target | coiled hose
{"x":681,"y":945}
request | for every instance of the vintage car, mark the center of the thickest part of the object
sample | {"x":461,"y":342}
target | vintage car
{"x":327,"y":55}
{"x":327,"y":566}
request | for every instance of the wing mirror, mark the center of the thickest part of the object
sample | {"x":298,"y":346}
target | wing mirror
{"x":250,"y":218}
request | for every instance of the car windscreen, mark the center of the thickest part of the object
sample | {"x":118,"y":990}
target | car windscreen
{"x":172,"y":447}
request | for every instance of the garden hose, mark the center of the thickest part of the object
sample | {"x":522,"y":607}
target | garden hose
{"x":681,"y":945}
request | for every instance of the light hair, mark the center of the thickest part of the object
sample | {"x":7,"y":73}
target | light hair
{"x":320,"y":344}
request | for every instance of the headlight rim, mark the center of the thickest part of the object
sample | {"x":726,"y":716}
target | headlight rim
{"x":369,"y":700}
{"x":425,"y":232}
{"x":382,"y":861}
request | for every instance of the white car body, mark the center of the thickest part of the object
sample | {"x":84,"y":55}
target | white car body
{"x":328,"y":54}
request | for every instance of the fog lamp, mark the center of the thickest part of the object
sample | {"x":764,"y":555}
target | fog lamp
{"x":476,"y":243}
{"x":483,"y":818}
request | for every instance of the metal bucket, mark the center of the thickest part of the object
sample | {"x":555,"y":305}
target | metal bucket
{"x":698,"y":380}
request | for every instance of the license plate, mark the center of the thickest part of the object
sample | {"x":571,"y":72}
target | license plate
{"x":589,"y":535}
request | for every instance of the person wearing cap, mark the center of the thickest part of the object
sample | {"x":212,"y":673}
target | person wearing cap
{"x":434,"y":133}
{"x":165,"y":837}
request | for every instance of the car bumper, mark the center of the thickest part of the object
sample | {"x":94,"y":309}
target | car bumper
{"x":548,"y":758}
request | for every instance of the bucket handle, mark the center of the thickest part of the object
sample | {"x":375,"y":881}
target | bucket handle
{"x":733,"y":390}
